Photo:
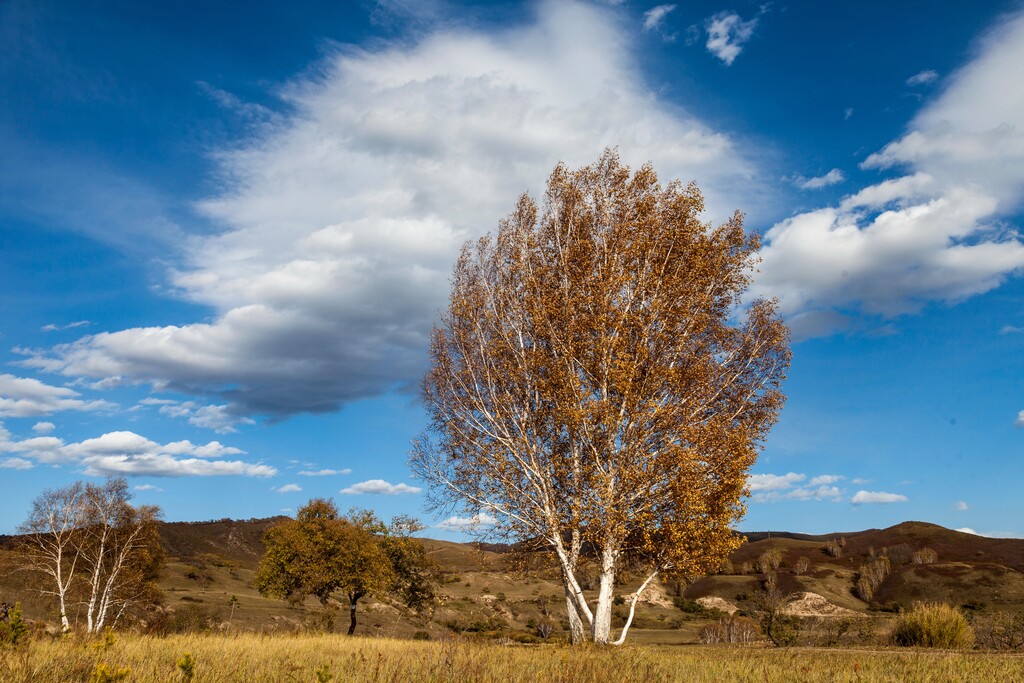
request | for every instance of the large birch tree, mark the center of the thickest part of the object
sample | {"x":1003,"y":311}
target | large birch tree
{"x":599,"y":383}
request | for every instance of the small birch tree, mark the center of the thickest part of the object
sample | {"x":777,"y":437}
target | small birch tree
{"x":597,"y":381}
{"x":94,"y":550}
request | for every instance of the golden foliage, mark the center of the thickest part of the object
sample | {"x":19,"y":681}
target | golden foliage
{"x":598,"y":378}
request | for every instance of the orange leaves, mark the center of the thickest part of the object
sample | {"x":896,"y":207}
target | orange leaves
{"x":595,"y":372}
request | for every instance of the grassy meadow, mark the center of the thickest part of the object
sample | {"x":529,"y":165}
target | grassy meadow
{"x":251,"y":657}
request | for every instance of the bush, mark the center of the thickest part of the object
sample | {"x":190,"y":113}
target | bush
{"x":925,"y":556}
{"x":1000,"y":631}
{"x":730,"y":629}
{"x":769,"y":560}
{"x":933,"y":625}
{"x":14,"y":630}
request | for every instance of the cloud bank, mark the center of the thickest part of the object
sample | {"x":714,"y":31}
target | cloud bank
{"x":340,"y":220}
{"x":934,"y":233}
{"x":128,"y":453}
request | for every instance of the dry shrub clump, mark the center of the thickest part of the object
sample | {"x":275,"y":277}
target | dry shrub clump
{"x":925,"y":556}
{"x":730,"y":629}
{"x":933,"y":624}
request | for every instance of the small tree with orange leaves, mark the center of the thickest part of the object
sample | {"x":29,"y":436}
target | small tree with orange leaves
{"x":598,"y":383}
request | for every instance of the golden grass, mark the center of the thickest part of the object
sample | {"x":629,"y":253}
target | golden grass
{"x":249,"y":657}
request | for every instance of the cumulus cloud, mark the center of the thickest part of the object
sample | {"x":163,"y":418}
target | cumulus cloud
{"x":340,"y":222}
{"x":772,"y":488}
{"x":654,"y":16}
{"x":288,"y":488}
{"x":219,"y":418}
{"x":773,"y":482}
{"x":43,"y":427}
{"x":478,"y":520}
{"x":16,"y":464}
{"x":862,"y":497}
{"x":932,"y":234}
{"x":28,"y":397}
{"x":1019,"y":422}
{"x":833,"y":177}
{"x":131,"y":454}
{"x":961,"y":506}
{"x":923,"y":77}
{"x":727,"y":34}
{"x":380,"y":486}
{"x":147,"y":487}
{"x":324,"y":472}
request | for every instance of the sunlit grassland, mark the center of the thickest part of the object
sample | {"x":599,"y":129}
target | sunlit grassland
{"x":248,"y":657}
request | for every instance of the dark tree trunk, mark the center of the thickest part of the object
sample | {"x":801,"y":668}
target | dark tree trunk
{"x":353,"y":598}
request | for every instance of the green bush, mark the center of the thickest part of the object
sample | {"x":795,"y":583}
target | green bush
{"x":933,"y":624}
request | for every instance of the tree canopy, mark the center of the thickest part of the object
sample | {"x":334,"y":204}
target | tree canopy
{"x":321,"y":553}
{"x":598,"y":380}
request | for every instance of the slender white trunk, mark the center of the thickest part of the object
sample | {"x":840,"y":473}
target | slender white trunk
{"x":632,"y":607}
{"x":602,"y":626}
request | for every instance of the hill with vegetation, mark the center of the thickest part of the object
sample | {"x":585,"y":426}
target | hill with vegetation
{"x":495,"y":590}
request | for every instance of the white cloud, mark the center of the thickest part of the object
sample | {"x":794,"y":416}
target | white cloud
{"x":923,"y":77}
{"x":654,"y":16}
{"x":847,"y":113}
{"x":833,"y":177}
{"x":772,"y":488}
{"x":380,"y":486}
{"x":16,"y":464}
{"x":860,"y":481}
{"x":219,"y":418}
{"x":288,"y":488}
{"x":961,"y":506}
{"x":324,"y":472}
{"x":478,"y":520}
{"x":862,"y":497}
{"x":70,"y":326}
{"x":1011,"y":329}
{"x":129,"y":453}
{"x":727,"y":34}
{"x":934,"y":234}
{"x":967,"y":530}
{"x":28,"y":397}
{"x":1019,"y":422}
{"x":773,"y":482}
{"x":147,"y":487}
{"x":43,"y":427}
{"x":339,"y":222}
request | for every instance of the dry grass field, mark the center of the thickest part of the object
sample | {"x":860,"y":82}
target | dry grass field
{"x":250,"y":657}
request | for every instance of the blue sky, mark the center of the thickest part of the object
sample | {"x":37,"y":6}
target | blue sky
{"x":226,"y":232}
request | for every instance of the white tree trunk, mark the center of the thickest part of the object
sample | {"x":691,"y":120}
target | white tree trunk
{"x":577,"y":632}
{"x":601,"y":629}
{"x":632,"y":607}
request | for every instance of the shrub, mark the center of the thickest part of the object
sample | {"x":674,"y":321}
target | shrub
{"x":187,"y":667}
{"x":924,"y":556}
{"x":769,"y":561}
{"x":802,"y":566}
{"x":1000,"y":631}
{"x":898,"y":554}
{"x":871,"y":575}
{"x":730,"y":629}
{"x":421,"y":635}
{"x":12,"y":632}
{"x":933,"y":625}
{"x":105,"y":673}
{"x":834,"y":548}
